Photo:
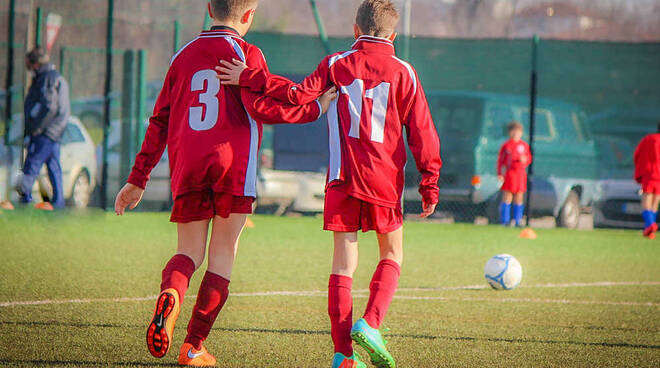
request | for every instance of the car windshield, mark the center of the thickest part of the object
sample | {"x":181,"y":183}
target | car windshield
{"x":457,"y":117}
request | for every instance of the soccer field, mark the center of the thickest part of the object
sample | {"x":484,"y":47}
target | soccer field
{"x":78,"y":290}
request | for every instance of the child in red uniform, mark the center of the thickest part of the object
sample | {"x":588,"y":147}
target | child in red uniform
{"x":379,"y":96}
{"x":512,"y":162}
{"x":647,"y":174}
{"x":213,"y":134}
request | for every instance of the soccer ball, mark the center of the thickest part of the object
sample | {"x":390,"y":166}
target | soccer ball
{"x":503,"y":272}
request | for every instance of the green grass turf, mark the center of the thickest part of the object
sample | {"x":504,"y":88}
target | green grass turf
{"x":91,"y":255}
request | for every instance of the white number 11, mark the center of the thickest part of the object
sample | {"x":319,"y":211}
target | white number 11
{"x":356,"y":95}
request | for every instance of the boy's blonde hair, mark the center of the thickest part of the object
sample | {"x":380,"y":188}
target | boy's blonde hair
{"x":230,"y":9}
{"x":514,"y":125}
{"x":377,"y":18}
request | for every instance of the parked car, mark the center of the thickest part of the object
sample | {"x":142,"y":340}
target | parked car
{"x":158,"y":193}
{"x":294,"y":161}
{"x":631,"y":124}
{"x":617,"y":200}
{"x":472,"y":127}
{"x":77,"y":159}
{"x":90,"y":111}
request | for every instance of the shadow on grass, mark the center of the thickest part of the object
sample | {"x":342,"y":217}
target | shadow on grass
{"x":325,"y":332}
{"x":82,"y":363}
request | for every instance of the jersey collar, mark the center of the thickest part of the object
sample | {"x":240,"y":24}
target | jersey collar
{"x":372,"y":43}
{"x":221,"y":31}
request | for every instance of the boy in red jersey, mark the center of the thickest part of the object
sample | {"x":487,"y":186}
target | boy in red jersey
{"x":379,"y":96}
{"x":512,"y":162}
{"x":647,"y":174}
{"x":213,"y":134}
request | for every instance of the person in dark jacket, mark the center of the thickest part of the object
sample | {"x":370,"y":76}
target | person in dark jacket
{"x":47,"y":111}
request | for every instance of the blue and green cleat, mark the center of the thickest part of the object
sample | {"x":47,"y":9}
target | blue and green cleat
{"x":342,"y":361}
{"x":369,"y":338}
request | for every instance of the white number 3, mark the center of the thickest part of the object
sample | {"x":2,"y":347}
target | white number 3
{"x":208,"y":98}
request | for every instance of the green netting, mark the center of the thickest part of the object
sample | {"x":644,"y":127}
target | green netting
{"x":595,"y":99}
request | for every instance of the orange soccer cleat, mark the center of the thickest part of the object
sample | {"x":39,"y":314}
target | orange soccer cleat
{"x":161,"y":328}
{"x":44,"y":206}
{"x":189,"y":356}
{"x":649,"y":231}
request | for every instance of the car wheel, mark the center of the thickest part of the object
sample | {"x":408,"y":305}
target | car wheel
{"x":569,"y":214}
{"x":81,"y":193}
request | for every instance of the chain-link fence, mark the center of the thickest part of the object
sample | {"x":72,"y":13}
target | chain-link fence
{"x":593,"y":101}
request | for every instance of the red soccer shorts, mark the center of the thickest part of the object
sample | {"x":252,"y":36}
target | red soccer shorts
{"x":349,"y":214}
{"x":203,"y":205}
{"x":515,"y":181}
{"x":651,"y":186}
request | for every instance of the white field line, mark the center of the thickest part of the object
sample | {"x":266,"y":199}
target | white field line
{"x":362,"y":293}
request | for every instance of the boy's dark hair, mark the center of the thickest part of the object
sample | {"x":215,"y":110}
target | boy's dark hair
{"x":514,"y":125}
{"x":230,"y":9}
{"x":37,"y":55}
{"x":377,"y":17}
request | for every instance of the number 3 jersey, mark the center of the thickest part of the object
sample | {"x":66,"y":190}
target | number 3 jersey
{"x":379,"y":96}
{"x":213,"y":132}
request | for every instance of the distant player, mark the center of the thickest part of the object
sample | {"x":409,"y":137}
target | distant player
{"x":512,"y":162}
{"x":380,"y":96}
{"x":213,"y":134}
{"x":647,"y":173}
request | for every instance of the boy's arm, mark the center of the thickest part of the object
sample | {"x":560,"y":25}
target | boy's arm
{"x":637,"y":161}
{"x":155,"y":140}
{"x":500,"y":162}
{"x":424,"y":144}
{"x":271,"y":110}
{"x":530,"y":158}
{"x":258,"y":79}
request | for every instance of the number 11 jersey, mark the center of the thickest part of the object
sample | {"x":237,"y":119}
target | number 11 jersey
{"x":380,"y":96}
{"x":213,"y":132}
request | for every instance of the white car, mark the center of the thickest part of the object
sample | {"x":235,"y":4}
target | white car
{"x":158,"y":188}
{"x":77,"y":158}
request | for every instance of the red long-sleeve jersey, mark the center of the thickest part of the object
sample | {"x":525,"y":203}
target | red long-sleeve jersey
{"x":647,"y":158}
{"x":379,"y":96}
{"x":511,"y":154}
{"x":213,"y":132}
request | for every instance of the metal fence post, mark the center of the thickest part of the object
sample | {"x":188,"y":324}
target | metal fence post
{"x":107,"y":103}
{"x":532,"y":120}
{"x":62,"y":57}
{"x":177,"y":36}
{"x":9,"y":85}
{"x":9,"y":82}
{"x":207,"y":21}
{"x":141,"y":111}
{"x":407,"y":25}
{"x":38,"y":27}
{"x":127,"y":114}
{"x":319,"y":23}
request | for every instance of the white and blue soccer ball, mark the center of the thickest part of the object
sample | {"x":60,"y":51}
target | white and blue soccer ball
{"x":503,"y":272}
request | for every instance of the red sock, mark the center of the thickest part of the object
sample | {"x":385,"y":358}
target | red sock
{"x":340,"y":310}
{"x":382,"y":288}
{"x":177,"y":273}
{"x":213,"y":293}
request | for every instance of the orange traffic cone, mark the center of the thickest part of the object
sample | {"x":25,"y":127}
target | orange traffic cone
{"x":6,"y":205}
{"x":528,"y":233}
{"x":249,"y":223}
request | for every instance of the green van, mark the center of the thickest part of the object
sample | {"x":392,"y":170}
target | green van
{"x":472,"y":127}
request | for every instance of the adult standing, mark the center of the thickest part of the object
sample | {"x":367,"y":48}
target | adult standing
{"x":47,"y":111}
